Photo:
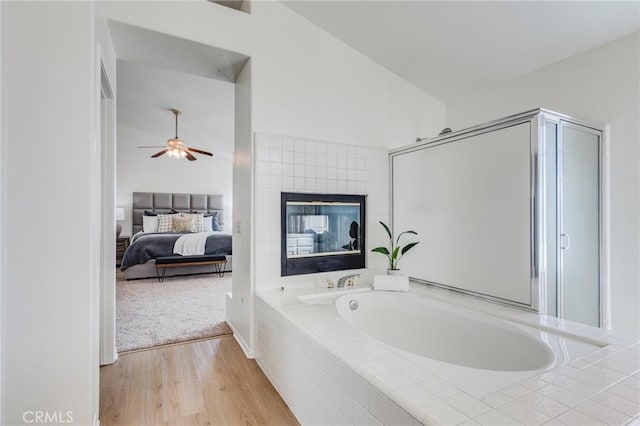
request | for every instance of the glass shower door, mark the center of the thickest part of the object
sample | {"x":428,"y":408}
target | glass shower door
{"x":579,"y":224}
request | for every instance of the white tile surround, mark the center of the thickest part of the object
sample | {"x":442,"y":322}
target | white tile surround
{"x":290,"y":164}
{"x":331,"y":374}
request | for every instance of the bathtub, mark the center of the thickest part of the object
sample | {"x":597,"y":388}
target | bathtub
{"x":476,"y":352}
{"x":430,"y":356}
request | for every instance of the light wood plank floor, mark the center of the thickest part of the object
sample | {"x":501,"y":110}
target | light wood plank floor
{"x":209,"y":382}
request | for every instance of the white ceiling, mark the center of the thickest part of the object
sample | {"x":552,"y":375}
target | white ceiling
{"x":158,"y":72}
{"x":146,"y":95}
{"x":449,"y":47}
{"x":136,"y":44}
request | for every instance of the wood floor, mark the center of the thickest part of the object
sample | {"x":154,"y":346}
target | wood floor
{"x":209,"y":382}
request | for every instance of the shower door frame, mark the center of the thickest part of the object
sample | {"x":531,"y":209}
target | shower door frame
{"x":599,"y":130}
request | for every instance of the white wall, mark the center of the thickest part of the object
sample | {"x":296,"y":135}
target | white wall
{"x":50,"y":344}
{"x":601,"y":85}
{"x":144,"y":95}
{"x":3,"y":203}
{"x":240,"y":307}
{"x":304,"y":82}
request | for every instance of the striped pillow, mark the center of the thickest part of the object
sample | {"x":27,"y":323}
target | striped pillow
{"x":165,"y":222}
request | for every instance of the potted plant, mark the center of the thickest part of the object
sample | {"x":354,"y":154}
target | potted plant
{"x":395,"y":251}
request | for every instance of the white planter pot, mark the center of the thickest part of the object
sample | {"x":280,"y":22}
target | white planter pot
{"x":394,"y":272}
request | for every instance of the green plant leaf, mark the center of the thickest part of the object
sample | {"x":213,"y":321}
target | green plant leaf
{"x":382,"y":250}
{"x":386,"y":228}
{"x":405,"y":232}
{"x":409,"y":247}
{"x":395,"y":252}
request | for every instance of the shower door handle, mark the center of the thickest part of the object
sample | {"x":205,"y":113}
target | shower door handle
{"x":565,"y":241}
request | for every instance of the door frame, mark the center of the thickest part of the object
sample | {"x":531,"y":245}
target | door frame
{"x":106,"y":117}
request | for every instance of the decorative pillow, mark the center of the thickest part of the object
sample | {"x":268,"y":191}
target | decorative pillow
{"x":198,"y":220}
{"x":208,"y":223}
{"x":183,"y":223}
{"x":149,"y":223}
{"x":155,"y":213}
{"x":214,"y":222}
{"x":165,"y":222}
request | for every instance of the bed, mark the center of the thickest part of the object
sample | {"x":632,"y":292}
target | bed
{"x":138,"y":260}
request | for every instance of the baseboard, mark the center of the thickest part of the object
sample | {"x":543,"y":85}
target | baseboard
{"x":112,"y":358}
{"x":248,"y":352}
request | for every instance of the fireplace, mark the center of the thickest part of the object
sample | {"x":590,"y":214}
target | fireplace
{"x":322,"y":232}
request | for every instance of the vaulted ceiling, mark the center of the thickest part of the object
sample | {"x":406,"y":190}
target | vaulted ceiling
{"x":448,"y":47}
{"x":158,"y":72}
{"x":147,"y":93}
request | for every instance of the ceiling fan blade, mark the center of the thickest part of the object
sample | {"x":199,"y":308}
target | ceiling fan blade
{"x":154,"y":146}
{"x":199,"y":151}
{"x":189,"y":156}
{"x":158,"y":154}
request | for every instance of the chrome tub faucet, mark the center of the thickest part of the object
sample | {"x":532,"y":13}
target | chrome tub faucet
{"x":345,"y":279}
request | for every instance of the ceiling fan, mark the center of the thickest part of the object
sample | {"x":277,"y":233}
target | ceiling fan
{"x":176,"y":147}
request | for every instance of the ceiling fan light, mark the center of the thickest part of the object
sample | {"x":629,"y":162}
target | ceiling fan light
{"x":176,"y":147}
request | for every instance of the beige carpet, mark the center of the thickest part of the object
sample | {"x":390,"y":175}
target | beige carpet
{"x":150,"y":313}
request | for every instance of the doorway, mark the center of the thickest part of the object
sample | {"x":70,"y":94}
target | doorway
{"x":133,"y":164}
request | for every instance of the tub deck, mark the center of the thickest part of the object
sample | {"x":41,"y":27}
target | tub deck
{"x":329,"y":372}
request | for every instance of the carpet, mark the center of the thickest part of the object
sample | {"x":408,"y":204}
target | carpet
{"x":150,"y":313}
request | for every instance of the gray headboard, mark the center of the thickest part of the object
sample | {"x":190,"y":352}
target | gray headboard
{"x":165,"y":202}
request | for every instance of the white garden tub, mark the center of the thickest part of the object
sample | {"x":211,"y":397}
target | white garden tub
{"x":477,"y":352}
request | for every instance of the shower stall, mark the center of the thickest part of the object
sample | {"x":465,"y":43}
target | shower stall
{"x":510,"y":211}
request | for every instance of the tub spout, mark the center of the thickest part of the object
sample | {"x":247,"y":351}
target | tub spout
{"x":344,"y":279}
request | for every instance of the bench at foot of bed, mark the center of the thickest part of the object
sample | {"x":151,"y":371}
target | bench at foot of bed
{"x":162,"y":263}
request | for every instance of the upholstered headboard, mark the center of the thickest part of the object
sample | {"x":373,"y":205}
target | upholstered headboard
{"x":166,"y":202}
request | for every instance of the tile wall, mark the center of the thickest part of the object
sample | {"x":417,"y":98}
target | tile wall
{"x":288,"y":164}
{"x":319,"y":388}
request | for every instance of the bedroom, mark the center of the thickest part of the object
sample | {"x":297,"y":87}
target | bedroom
{"x":335,"y":94}
{"x":159,"y":99}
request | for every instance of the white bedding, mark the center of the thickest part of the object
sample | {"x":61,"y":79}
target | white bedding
{"x":191,"y":244}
